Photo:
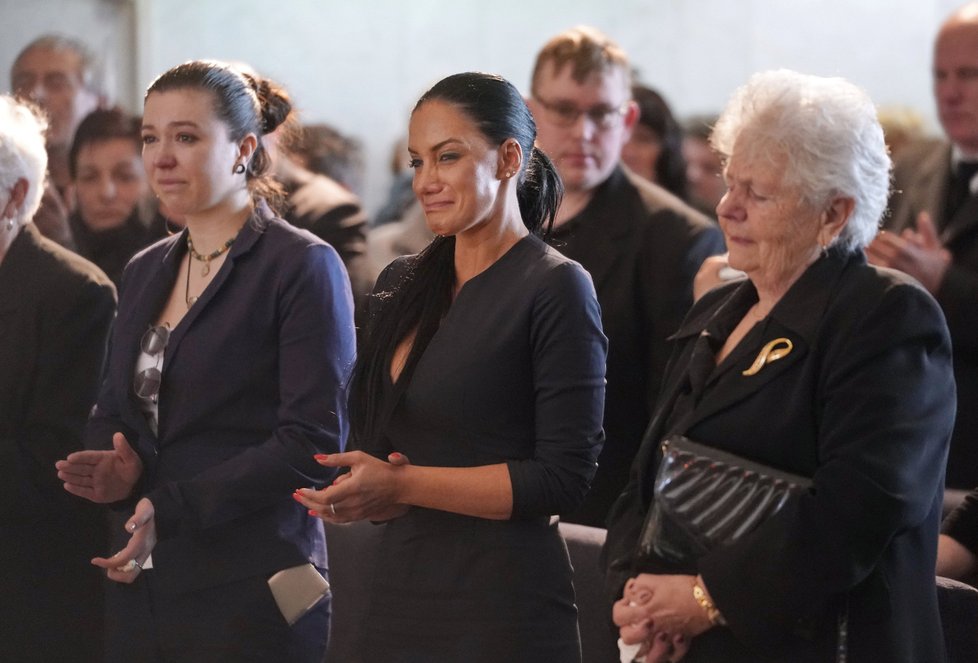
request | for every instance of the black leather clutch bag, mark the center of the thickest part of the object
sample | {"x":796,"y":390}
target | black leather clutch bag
{"x":706,"y":499}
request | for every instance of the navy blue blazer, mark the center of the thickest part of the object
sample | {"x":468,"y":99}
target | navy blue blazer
{"x":253,"y":385}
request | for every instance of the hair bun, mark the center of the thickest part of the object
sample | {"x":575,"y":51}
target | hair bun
{"x":273,"y":100}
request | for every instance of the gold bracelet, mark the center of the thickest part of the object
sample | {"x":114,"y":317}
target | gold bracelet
{"x":712,"y":613}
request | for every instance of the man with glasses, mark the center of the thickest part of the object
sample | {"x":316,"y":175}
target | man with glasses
{"x":62,"y":76}
{"x":641,"y":245}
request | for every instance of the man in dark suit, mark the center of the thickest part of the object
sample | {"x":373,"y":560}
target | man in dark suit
{"x":641,"y":244}
{"x":55,"y":312}
{"x":934,"y":219}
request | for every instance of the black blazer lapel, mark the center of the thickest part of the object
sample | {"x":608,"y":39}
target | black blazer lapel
{"x":794,"y":319}
{"x":738,"y":385}
{"x":151,"y":291}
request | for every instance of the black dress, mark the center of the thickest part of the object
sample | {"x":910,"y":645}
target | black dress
{"x":515,"y":375}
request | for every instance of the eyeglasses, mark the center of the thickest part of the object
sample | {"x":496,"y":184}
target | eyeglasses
{"x":147,"y":382}
{"x":565,"y":114}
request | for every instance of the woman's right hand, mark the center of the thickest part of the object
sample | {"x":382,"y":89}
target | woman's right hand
{"x":366,"y":492}
{"x":102,"y":476}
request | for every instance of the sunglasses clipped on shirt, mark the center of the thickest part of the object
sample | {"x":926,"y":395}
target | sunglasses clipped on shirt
{"x":153,"y":343}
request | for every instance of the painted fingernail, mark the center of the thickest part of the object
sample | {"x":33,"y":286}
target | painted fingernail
{"x":297,"y":496}
{"x":321,"y":456}
{"x":396,"y":455}
{"x":313,"y":513}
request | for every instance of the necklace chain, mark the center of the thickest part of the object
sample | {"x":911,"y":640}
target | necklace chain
{"x":205,"y":270}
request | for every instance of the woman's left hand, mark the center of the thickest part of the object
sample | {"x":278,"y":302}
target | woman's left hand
{"x":126,"y":564}
{"x":368,"y":491}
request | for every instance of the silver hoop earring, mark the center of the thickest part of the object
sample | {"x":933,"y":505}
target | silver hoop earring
{"x":10,"y":224}
{"x":239,"y":169}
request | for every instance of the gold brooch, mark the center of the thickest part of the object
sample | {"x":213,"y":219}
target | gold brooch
{"x":773,"y":351}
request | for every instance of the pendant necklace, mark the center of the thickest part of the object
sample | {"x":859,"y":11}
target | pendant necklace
{"x":206,"y":269}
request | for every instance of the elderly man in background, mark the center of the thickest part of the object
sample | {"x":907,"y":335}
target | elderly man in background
{"x":55,"y":312}
{"x":63,"y":77}
{"x":934,"y":223}
{"x":641,"y":244}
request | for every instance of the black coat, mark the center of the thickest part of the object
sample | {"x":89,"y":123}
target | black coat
{"x":864,"y":404}
{"x":55,"y":313}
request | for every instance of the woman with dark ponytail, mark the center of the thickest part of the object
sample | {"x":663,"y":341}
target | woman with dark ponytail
{"x":226,"y":374}
{"x":476,"y":400}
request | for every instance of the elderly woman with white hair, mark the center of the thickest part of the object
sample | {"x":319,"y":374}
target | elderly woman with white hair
{"x":55,"y":312}
{"x":785,"y":501}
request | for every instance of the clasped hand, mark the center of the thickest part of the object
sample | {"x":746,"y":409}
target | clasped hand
{"x":102,"y":476}
{"x":660,"y":613}
{"x":369,"y":491}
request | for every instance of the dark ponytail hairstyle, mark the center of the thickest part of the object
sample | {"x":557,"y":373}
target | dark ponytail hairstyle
{"x":245,"y":103}
{"x":422,"y":294}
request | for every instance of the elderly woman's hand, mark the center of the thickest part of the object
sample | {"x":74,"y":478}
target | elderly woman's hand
{"x":126,"y":564}
{"x":367,"y":492}
{"x":661,"y":611}
{"x":102,"y":476}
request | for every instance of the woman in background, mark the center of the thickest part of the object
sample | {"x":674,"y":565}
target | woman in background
{"x":110,"y":190}
{"x":655,"y":148}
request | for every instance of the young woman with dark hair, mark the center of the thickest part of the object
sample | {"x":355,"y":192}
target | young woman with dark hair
{"x":476,"y":400}
{"x":227,"y":372}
